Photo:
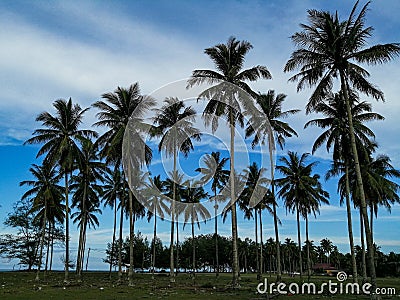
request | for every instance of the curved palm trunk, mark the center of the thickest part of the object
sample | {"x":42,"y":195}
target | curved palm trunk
{"x":82,"y":251}
{"x":171,"y":247}
{"x":66,"y":266}
{"x":78,"y":259}
{"x":256,"y":235}
{"x":363,"y":206}
{"x":216,"y":269}
{"x":350,"y":226}
{"x":154,"y":244}
{"x":308,"y":252}
{"x":235,"y":259}
{"x":363,"y":260}
{"x":113,"y":237}
{"x":121,"y":223}
{"x":278,"y":248}
{"x":79,"y":256}
{"x":299,"y":241}
{"x":261,"y":245}
{"x":81,"y":248}
{"x":42,"y":241}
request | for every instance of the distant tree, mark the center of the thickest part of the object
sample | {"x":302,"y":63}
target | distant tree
{"x":23,"y":245}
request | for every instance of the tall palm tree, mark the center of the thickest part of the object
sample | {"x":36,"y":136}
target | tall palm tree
{"x":380,"y":190}
{"x":229,"y":59}
{"x":194,"y":212}
{"x":172,"y":185}
{"x":336,"y":135}
{"x":255,"y":180}
{"x":87,"y":191}
{"x":174,"y":122}
{"x":329,"y":48}
{"x":46,"y":197}
{"x":326,"y":246}
{"x":215,"y":170}
{"x":298,"y":188}
{"x":60,"y":137}
{"x":156,"y":207}
{"x":309,"y":206}
{"x":271,"y":106}
{"x":116,"y":111}
{"x":113,"y":190}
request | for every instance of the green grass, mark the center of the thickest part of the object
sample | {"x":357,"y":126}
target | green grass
{"x":96,"y":285}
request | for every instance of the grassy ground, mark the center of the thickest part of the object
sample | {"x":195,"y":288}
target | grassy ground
{"x":96,"y":285}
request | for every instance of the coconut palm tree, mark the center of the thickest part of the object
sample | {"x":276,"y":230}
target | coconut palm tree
{"x":113,"y":191}
{"x":60,"y":137}
{"x":229,"y":60}
{"x":193,"y":211}
{"x":298,"y":188}
{"x":326,"y":246}
{"x":46,"y":197}
{"x":276,"y":130}
{"x":174,"y":122}
{"x":329,"y":48}
{"x":87,"y":191}
{"x":116,"y":111}
{"x":335,"y":135}
{"x":255,"y":181}
{"x":309,"y":206}
{"x":156,"y":207}
{"x":380,"y":190}
{"x":214,"y":169}
{"x":172,"y":185}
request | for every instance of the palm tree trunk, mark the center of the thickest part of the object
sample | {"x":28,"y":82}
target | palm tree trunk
{"x":81,"y":250}
{"x":363,"y":205}
{"x":194,"y":252}
{"x":121,"y":222}
{"x":154,"y":244}
{"x":235,"y":259}
{"x":78,"y":258}
{"x":66,"y":275}
{"x":363,"y":262}
{"x":261,"y":245}
{"x":308,"y":252}
{"x":131,"y":233}
{"x":171,"y":247}
{"x":256,"y":235}
{"x":48,"y":250}
{"x":350,"y":226}
{"x":299,"y":241}
{"x":177,"y":247}
{"x":371,"y":208}
{"x":278,"y":248}
{"x":42,"y":241}
{"x":52,"y":248}
{"x":113,"y":237}
{"x":216,"y":236}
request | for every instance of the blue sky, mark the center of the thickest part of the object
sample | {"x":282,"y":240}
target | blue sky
{"x":63,"y":49}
